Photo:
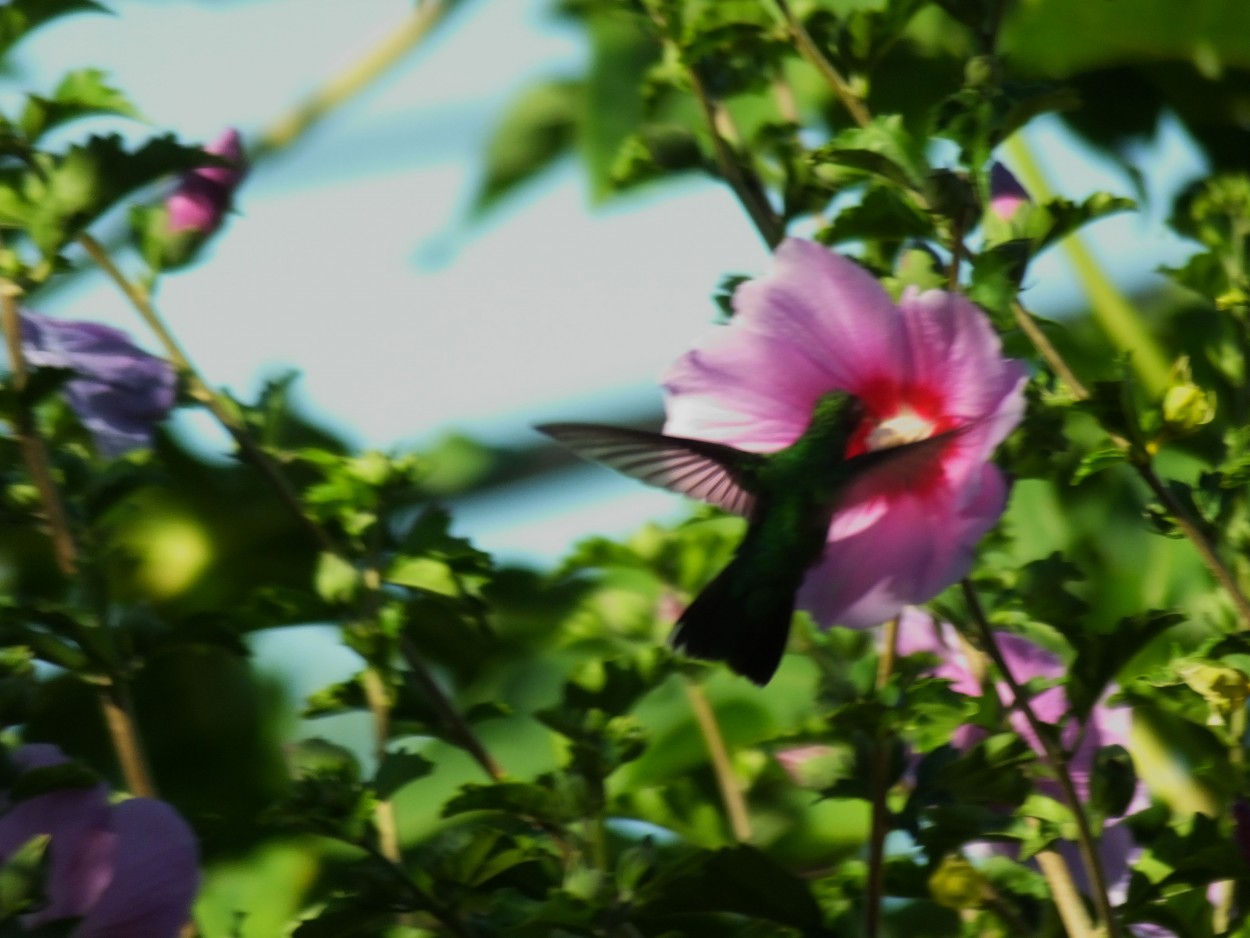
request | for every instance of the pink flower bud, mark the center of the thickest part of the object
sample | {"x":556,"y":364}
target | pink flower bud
{"x":203,"y":197}
{"x":1007,"y":196}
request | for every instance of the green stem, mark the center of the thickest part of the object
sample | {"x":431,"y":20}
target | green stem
{"x":114,"y":697}
{"x":853,"y":103}
{"x":718,"y":752}
{"x":1028,"y":325}
{"x":354,"y":79}
{"x":203,"y":393}
{"x":744,"y":183}
{"x":1112,"y":311}
{"x":119,"y":717}
{"x":451,"y":717}
{"x":1141,"y":461}
{"x":34,"y":453}
{"x":1063,"y":891}
{"x":379,"y":700}
{"x":880,"y":814}
{"x":1087,"y":844}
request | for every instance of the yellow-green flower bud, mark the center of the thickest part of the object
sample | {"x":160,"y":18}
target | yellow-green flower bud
{"x":1186,"y":407}
{"x":1224,"y":688}
{"x":957,"y":884}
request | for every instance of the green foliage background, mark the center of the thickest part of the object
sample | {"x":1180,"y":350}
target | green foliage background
{"x":540,"y":763}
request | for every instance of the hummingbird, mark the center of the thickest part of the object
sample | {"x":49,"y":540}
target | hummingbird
{"x":789,"y":498}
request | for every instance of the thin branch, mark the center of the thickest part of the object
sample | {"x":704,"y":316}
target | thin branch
{"x":379,"y":700}
{"x":730,"y":787}
{"x":119,"y":717}
{"x":1113,"y":313}
{"x":1028,"y":325}
{"x":461,"y":730}
{"x":203,"y":393}
{"x":745,"y":185}
{"x":1142,"y":463}
{"x":880,"y":814}
{"x":1086,"y":843}
{"x":1206,"y":550}
{"x":853,"y":103}
{"x":34,"y":453}
{"x":394,"y":47}
{"x":114,"y":697}
{"x":1076,"y":920}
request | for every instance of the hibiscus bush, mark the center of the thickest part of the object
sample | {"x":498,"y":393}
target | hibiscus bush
{"x":1012,"y":577}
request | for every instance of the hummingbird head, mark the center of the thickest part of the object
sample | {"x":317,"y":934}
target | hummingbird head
{"x":837,"y":409}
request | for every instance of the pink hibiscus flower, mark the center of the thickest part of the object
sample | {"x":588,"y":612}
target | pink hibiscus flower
{"x":816,"y":323}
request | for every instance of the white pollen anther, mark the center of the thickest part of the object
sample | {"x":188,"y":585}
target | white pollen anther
{"x":904,"y":427}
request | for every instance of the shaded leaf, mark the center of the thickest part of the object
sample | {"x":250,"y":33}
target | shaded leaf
{"x":81,"y":93}
{"x":538,"y":127}
{"x":18,"y":18}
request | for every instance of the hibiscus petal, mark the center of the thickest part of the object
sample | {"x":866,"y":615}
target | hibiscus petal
{"x":827,"y":307}
{"x":77,"y":821}
{"x":752,"y":391}
{"x":955,"y":350}
{"x":119,"y":393}
{"x":155,"y":875}
{"x":907,"y":554}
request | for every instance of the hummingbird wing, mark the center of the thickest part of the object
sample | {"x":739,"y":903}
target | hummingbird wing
{"x":901,"y":467}
{"x":711,"y":472}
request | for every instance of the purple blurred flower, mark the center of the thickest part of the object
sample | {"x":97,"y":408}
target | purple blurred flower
{"x":816,"y":323}
{"x":128,"y":870}
{"x":204,"y":195}
{"x":1007,"y":196}
{"x":1106,"y":726}
{"x":119,"y":392}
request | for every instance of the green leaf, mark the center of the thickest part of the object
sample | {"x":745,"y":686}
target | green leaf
{"x":1112,"y":783}
{"x":857,"y":37}
{"x":735,"y":46}
{"x":538,"y":128}
{"x":81,"y":93}
{"x":398,"y":768}
{"x":336,"y":580}
{"x":621,"y":52}
{"x":996,"y":275}
{"x":653,"y":152}
{"x":884,"y":148}
{"x":935,"y":713}
{"x":1052,"y":221}
{"x":989,"y":773}
{"x":1100,"y":656}
{"x":22,"y":876}
{"x":18,"y":18}
{"x":543,"y":802}
{"x":883,"y":214}
{"x":347,"y":918}
{"x":1043,"y":591}
{"x":64,"y":193}
{"x":740,"y":880}
{"x":423,"y":573}
{"x":1097,"y":462}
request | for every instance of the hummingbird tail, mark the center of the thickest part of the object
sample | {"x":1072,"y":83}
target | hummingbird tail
{"x":749,"y":632}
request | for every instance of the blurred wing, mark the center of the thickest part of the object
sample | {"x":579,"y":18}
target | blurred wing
{"x":710,"y":472}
